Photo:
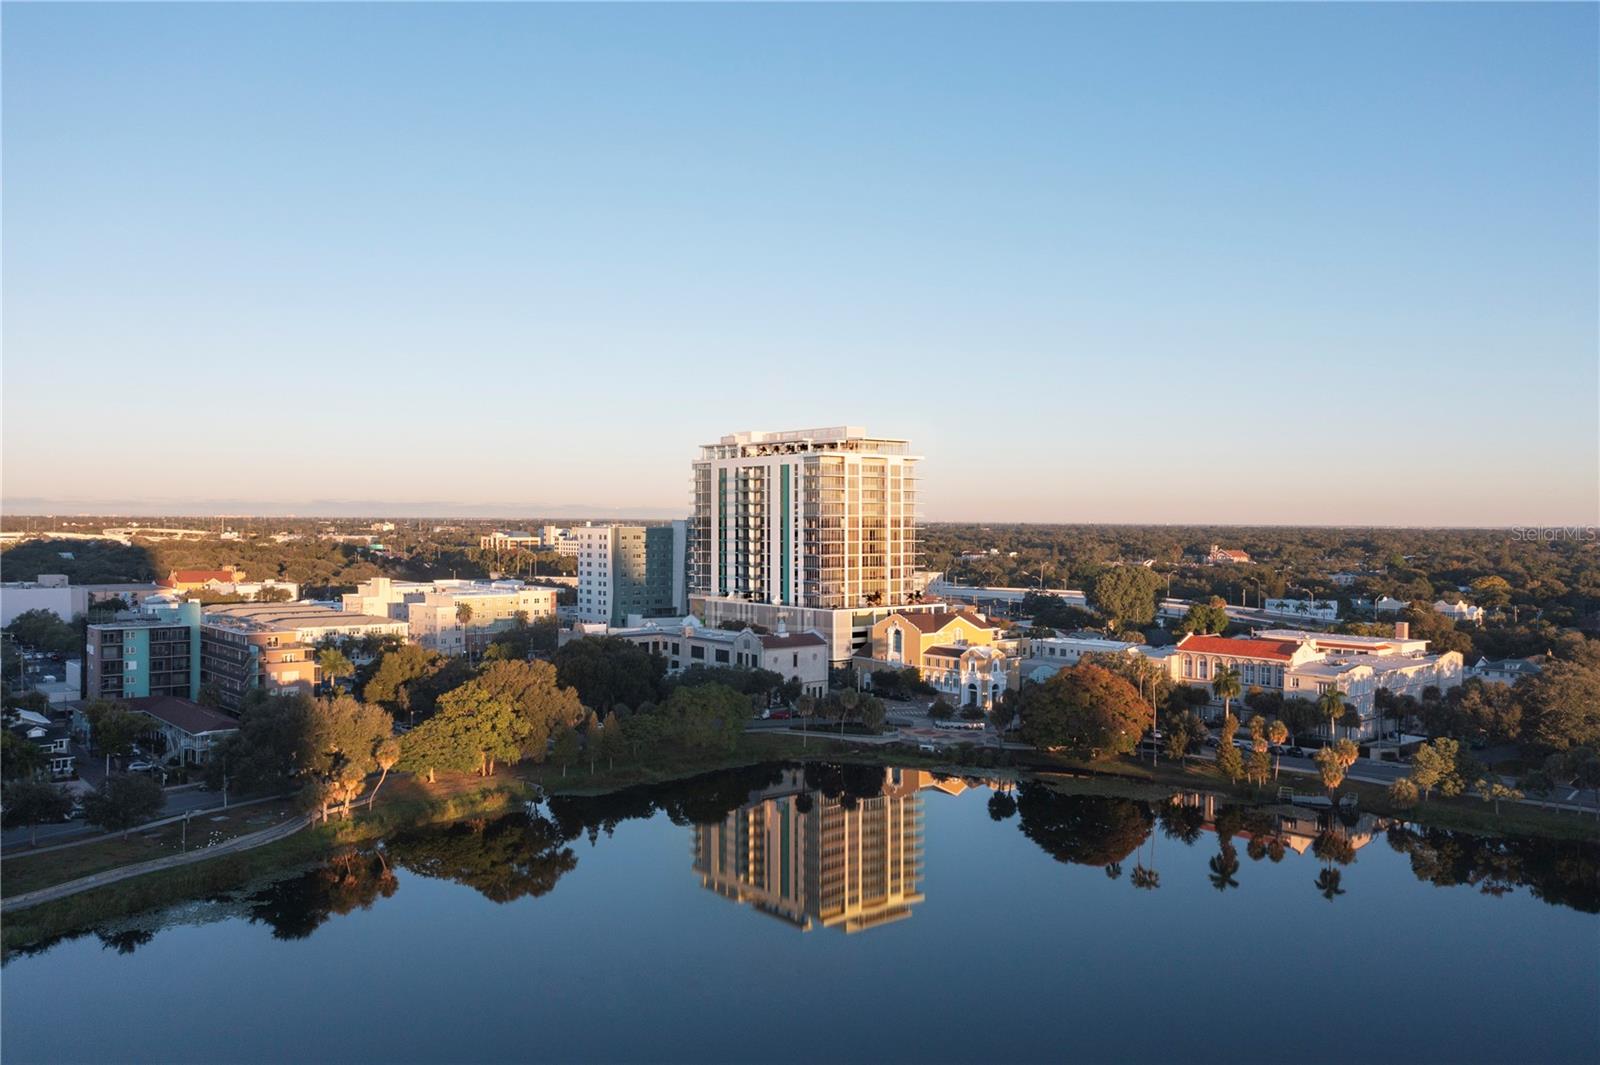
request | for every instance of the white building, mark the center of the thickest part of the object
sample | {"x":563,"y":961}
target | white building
{"x":682,"y":643}
{"x":507,"y":541}
{"x":1050,"y":654}
{"x":1304,"y":665}
{"x":432,"y":609}
{"x":1506,"y":670}
{"x":1388,"y":605}
{"x":628,"y":570}
{"x":1459,"y":611}
{"x":55,"y":593}
{"x":809,"y":519}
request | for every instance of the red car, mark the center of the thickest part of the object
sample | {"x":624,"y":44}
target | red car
{"x":779,"y":715}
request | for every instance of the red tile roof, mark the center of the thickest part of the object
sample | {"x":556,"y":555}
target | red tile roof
{"x":934,"y":620}
{"x":200,"y":576}
{"x":1278,"y":650}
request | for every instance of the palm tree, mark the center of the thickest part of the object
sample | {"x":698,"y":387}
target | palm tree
{"x":1223,"y":866}
{"x":334,"y":665}
{"x":464,"y":619}
{"x":387,"y":755}
{"x":1330,"y":704}
{"x":1277,"y":732}
{"x":1382,"y":699}
{"x":805,"y":706}
{"x":1328,"y":883}
{"x":1225,"y":685}
{"x":849,"y":699}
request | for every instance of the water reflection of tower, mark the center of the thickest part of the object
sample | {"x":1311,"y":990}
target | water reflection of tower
{"x":796,"y":854}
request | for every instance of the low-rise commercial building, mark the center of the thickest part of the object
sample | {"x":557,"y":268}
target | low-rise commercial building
{"x":1305,"y":665}
{"x":433,"y":610}
{"x":55,"y":593}
{"x":192,"y":580}
{"x":683,"y":643}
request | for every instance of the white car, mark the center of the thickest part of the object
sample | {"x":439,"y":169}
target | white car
{"x":140,"y":767}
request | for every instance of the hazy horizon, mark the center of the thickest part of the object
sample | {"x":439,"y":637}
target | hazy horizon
{"x":1219,"y":265}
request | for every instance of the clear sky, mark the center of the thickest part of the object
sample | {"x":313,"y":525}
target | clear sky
{"x":1331,"y":263}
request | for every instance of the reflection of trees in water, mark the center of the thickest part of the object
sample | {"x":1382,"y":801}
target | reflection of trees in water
{"x":1082,"y":829}
{"x":512,"y":857}
{"x":700,"y":800}
{"x":297,"y":906}
{"x":1561,"y":872}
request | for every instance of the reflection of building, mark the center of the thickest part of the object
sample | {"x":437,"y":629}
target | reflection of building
{"x":1298,"y":829}
{"x":811,"y":860}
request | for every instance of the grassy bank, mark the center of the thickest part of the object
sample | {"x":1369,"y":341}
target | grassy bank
{"x":403,"y":803}
{"x":1466,"y":813}
{"x":25,"y":872}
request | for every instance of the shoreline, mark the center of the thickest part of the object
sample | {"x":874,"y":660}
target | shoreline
{"x":411,"y":803}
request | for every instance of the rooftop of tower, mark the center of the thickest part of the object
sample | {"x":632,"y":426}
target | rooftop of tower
{"x":802,"y":441}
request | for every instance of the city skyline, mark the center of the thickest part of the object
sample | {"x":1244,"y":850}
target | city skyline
{"x":1311,"y":265}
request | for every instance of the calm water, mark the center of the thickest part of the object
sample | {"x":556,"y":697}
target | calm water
{"x":842,"y":914}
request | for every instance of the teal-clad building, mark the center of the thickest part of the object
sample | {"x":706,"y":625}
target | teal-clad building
{"x":157,"y":653}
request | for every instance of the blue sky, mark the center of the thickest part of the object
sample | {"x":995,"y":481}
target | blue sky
{"x":1332,"y":264}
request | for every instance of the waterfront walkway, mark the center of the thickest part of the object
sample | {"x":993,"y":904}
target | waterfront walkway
{"x":111,"y":876}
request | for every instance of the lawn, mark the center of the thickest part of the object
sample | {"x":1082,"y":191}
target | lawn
{"x":22,"y":873}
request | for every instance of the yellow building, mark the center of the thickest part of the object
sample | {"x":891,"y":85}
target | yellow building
{"x":960,"y":653}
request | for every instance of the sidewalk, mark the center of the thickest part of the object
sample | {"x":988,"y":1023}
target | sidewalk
{"x":111,"y":876}
{"x":99,"y":837}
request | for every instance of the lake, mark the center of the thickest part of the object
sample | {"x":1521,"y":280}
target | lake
{"x":837,"y":913}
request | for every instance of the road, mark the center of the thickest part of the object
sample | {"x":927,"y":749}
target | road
{"x":178,"y":800}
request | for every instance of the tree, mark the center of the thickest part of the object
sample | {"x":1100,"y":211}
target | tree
{"x":607,"y":670}
{"x":1563,"y":706}
{"x":1330,"y":704}
{"x":464,"y":619}
{"x":1225,"y":685}
{"x":565,"y":749}
{"x":710,"y":717}
{"x":1260,"y":756}
{"x":34,"y":803}
{"x":1277,"y":733}
{"x":122,"y":801}
{"x":341,"y":739}
{"x":1434,"y":766}
{"x":1002,"y":805}
{"x":1204,"y":618}
{"x":20,"y":757}
{"x":113,"y":728}
{"x":1403,"y":793}
{"x":396,"y":669}
{"x":387,"y":755}
{"x":1086,"y":711}
{"x":1126,"y":595}
{"x":533,"y":692}
{"x":612,"y":742}
{"x":334,"y":666}
{"x":873,"y":713}
{"x":210,"y":695}
{"x":1300,"y":715}
{"x":1185,"y":731}
{"x":1333,"y":762}
{"x":1229,"y":761}
{"x":1491,"y":788}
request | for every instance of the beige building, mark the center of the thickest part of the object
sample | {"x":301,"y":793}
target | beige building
{"x":808,"y":519}
{"x":432,"y":609}
{"x":273,"y":646}
{"x":960,"y":653}
{"x":816,"y":863}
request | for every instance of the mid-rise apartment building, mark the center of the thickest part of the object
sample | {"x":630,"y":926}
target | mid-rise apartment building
{"x":631,"y":571}
{"x":274,"y":646}
{"x":788,"y":525}
{"x":154,"y":653}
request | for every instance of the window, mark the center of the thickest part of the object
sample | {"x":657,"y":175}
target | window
{"x":722,"y":656}
{"x":695,"y":651}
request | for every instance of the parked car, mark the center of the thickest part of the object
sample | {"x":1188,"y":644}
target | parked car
{"x":1296,"y":752}
{"x":927,"y":748}
{"x":140,"y":767}
{"x":779,"y":715}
